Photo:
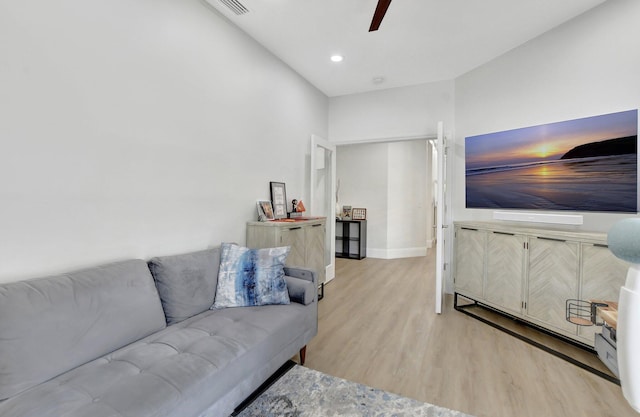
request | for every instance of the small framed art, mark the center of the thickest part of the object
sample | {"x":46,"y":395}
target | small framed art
{"x":265,"y":210}
{"x":346,"y":212}
{"x":279,"y":199}
{"x":359,"y":213}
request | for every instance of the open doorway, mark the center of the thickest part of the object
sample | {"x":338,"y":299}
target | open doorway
{"x":387,"y":178}
{"x":392,"y":180}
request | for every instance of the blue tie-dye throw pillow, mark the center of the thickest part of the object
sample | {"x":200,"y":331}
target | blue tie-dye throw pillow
{"x":251,"y":277}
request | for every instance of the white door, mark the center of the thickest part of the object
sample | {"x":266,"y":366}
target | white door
{"x":441,"y":218}
{"x":322,"y":195}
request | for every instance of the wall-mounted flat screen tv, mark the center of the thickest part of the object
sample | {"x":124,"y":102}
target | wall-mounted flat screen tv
{"x":588,"y":164}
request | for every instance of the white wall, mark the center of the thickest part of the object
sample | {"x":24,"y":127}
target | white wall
{"x":135,"y":129}
{"x":390,"y":181}
{"x":403,"y":112}
{"x":408,"y":212}
{"x":362,"y":171}
{"x":586,"y":67}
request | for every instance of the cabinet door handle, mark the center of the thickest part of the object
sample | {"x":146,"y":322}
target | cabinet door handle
{"x":504,"y":233}
{"x":468,"y":228}
{"x":295,"y":228}
{"x":550,"y":238}
{"x":600,"y":245}
{"x":316,"y":225}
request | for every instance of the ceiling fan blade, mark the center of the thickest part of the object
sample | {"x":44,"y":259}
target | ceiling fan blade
{"x":381,"y":9}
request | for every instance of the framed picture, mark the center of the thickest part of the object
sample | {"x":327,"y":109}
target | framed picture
{"x":279,"y":199}
{"x":593,"y":160}
{"x":265,"y":210}
{"x":346,"y":212}
{"x":359,"y":214}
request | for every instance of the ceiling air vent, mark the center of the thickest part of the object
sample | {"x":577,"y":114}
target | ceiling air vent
{"x":235,"y":6}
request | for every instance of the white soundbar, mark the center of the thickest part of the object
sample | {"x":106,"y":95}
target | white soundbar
{"x":520,"y":216}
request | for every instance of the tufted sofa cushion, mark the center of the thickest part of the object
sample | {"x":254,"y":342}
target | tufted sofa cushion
{"x":51,"y":325}
{"x":177,"y":372}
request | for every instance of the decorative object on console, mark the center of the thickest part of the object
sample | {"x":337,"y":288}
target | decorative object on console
{"x":251,"y":277}
{"x":279,"y":199}
{"x":297,"y":208}
{"x":624,"y":242}
{"x":265,"y":210}
{"x":591,"y":162}
{"x":346,"y":212}
{"x":359,"y":214}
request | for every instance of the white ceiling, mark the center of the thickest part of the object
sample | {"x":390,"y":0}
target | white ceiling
{"x":419,"y":41}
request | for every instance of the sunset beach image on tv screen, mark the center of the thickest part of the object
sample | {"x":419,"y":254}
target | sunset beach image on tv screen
{"x":587,"y":164}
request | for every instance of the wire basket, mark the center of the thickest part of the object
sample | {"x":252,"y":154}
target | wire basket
{"x":583,"y":313}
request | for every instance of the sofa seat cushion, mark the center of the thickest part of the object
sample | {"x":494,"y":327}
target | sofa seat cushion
{"x":179,"y":371}
{"x":51,"y":325}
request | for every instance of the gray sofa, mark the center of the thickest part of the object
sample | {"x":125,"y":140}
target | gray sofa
{"x":138,"y":339}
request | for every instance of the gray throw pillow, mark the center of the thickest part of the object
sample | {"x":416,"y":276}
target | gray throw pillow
{"x":251,"y":277}
{"x":186,"y":283}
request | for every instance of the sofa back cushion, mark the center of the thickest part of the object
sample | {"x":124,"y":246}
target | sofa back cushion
{"x":186,"y":283}
{"x":51,"y":325}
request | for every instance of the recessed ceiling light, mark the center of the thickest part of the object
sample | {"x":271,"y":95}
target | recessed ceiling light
{"x":378,"y":80}
{"x":337,"y":58}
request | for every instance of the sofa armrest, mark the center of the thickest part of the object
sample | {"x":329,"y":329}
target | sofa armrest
{"x":301,"y":291}
{"x":306,"y":274}
{"x":301,"y":283}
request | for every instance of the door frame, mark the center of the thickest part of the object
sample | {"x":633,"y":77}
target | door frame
{"x":443,"y":241}
{"x":441,"y":222}
{"x":317,"y":143}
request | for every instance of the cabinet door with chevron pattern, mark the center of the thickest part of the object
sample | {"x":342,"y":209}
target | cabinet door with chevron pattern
{"x":553,"y":278}
{"x":602,"y":276}
{"x":315,"y":250}
{"x":294,"y":237}
{"x":505,"y":267}
{"x":470,"y":251}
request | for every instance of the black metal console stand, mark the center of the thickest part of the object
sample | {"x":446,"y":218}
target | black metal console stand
{"x":475,"y":303}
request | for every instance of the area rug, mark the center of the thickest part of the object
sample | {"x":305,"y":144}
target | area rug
{"x":303,"y":392}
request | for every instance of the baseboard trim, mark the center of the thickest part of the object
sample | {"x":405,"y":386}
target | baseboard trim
{"x":396,"y":253}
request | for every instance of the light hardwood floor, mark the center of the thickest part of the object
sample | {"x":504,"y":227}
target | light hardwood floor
{"x":377,"y":326}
